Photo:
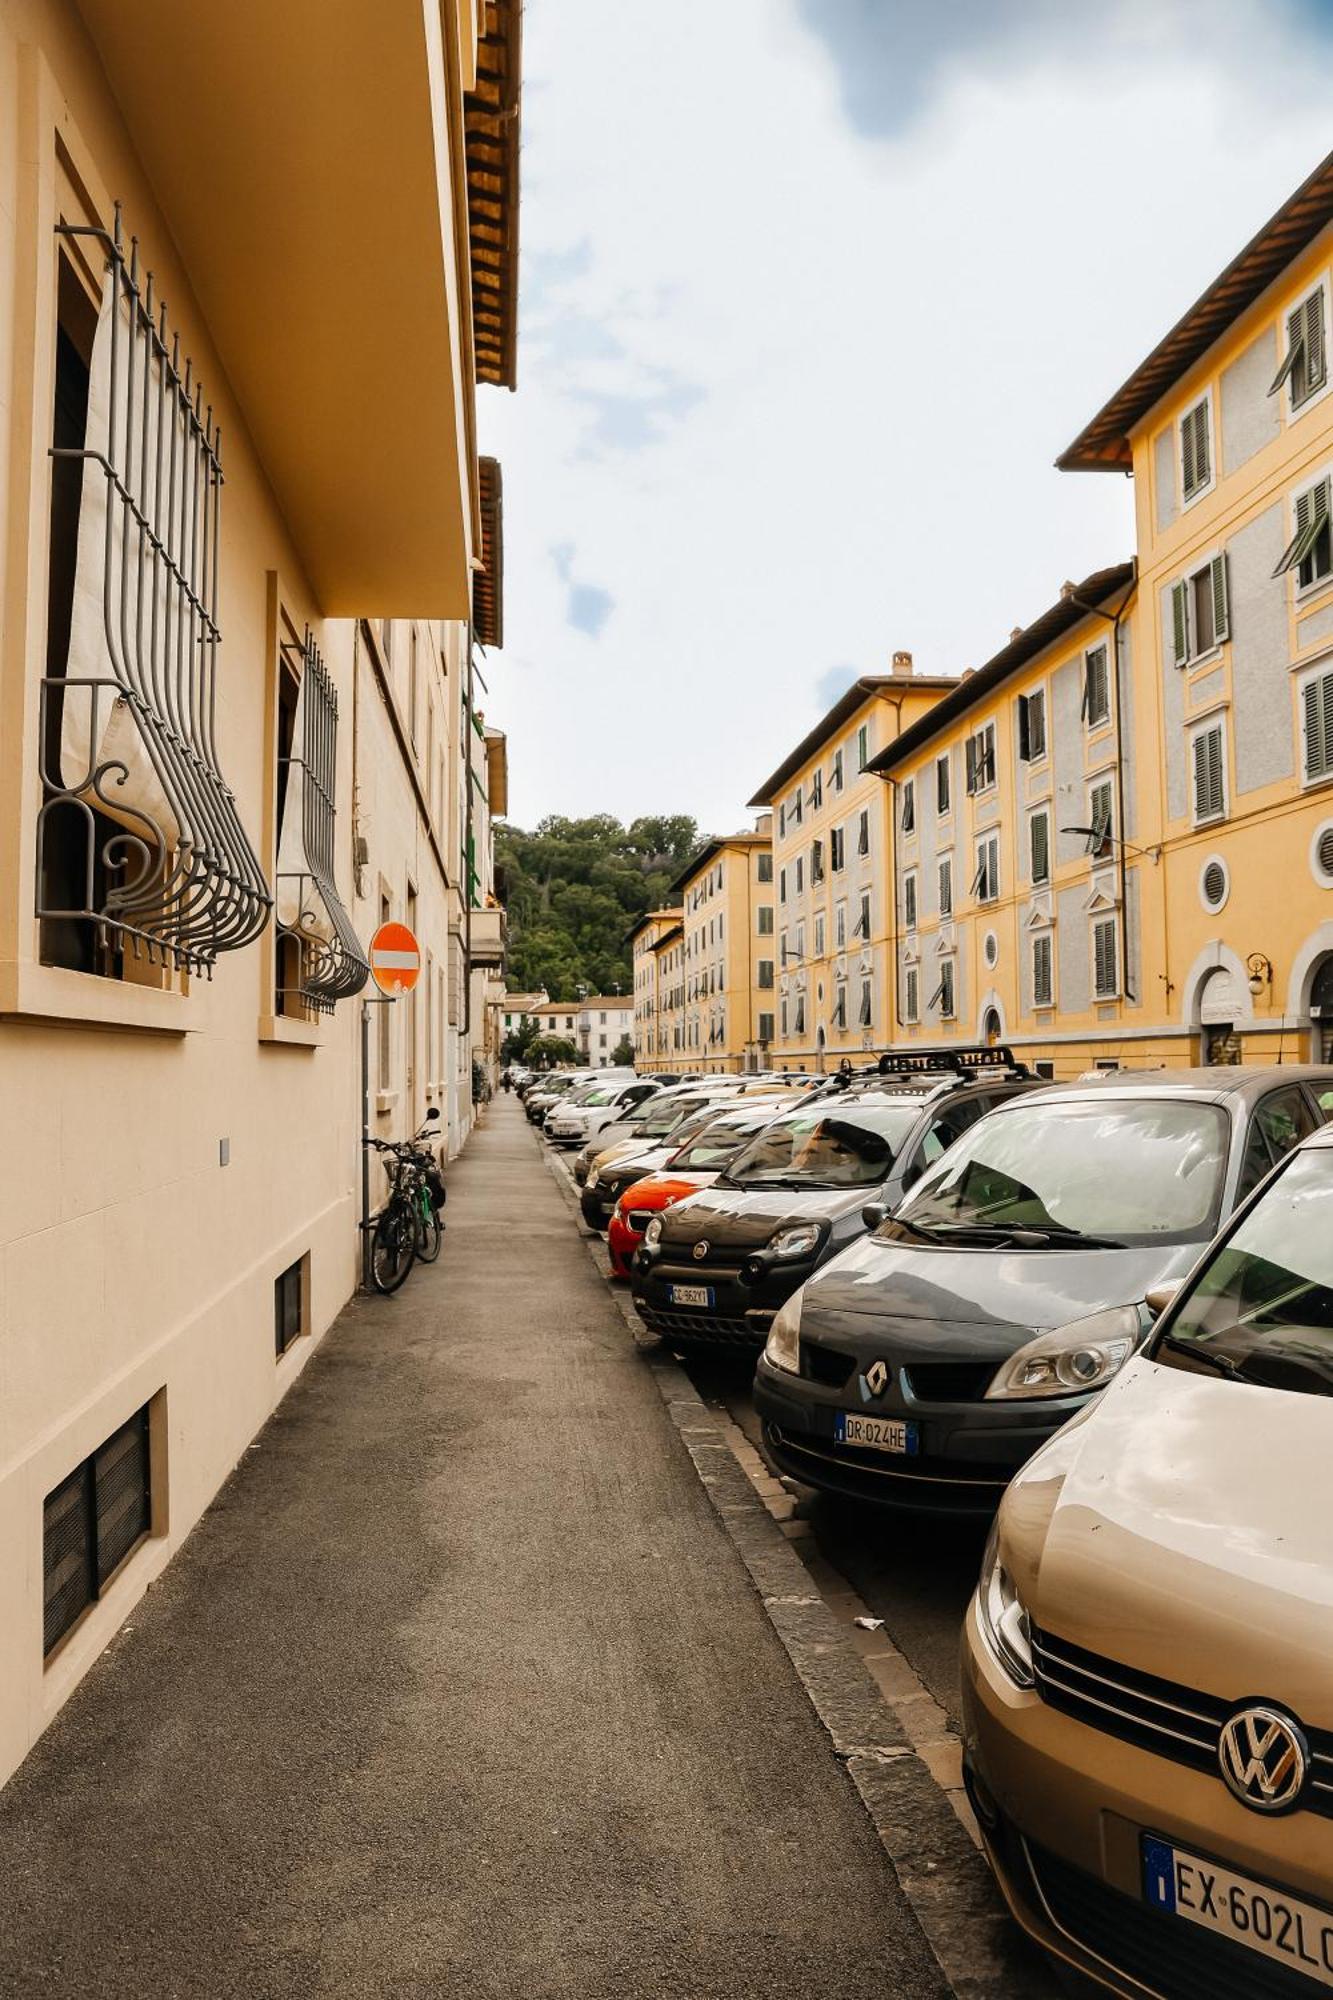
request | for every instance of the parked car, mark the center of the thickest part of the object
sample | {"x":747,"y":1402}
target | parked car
{"x":688,"y":1168}
{"x":715,"y":1270}
{"x":574,"y":1119}
{"x":923,"y":1366}
{"x":610,"y":1175}
{"x":1147,"y":1697}
{"x":659,"y":1118}
{"x":544,"y":1092}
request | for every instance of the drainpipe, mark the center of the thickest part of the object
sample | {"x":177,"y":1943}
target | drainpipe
{"x":896,"y":704}
{"x":469,"y":860}
{"x":1114,"y":619}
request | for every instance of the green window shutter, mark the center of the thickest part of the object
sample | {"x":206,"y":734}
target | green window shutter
{"x":1295,"y":347}
{"x":1180,"y":622}
{"x":1308,"y":520}
{"x":1316,"y":366}
{"x":1202,"y":465}
{"x":1024,"y":730}
{"x":1040,"y":837}
{"x":1221,"y":598}
{"x":1188,"y":479}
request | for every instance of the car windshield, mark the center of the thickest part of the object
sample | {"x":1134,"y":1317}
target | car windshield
{"x":1262,"y":1309}
{"x":853,"y":1146}
{"x":599,"y":1097}
{"x":1130,"y":1170}
{"x":714,"y":1145}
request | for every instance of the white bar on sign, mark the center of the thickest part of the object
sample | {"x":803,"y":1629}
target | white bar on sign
{"x":406,"y":960}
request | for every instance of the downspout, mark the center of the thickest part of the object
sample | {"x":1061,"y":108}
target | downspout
{"x":468,"y":860}
{"x":1113,"y":619}
{"x":896,"y":704}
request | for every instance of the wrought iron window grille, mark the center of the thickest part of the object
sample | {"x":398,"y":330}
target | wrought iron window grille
{"x":309,"y":909}
{"x":129,"y":726}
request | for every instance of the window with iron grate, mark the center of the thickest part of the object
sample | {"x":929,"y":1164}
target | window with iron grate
{"x":90,"y":1524}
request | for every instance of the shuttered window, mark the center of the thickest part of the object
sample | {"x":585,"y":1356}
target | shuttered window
{"x":1209,"y":756}
{"x":944,"y":997}
{"x":1032,"y":726}
{"x":865,"y":1015}
{"x":816,"y":791}
{"x":91,"y":1522}
{"x":1196,"y":467}
{"x":817,"y":861}
{"x":1096,"y":687}
{"x":946,"y":886}
{"x":1043,"y":991}
{"x":986,"y":881}
{"x":1039,"y":846}
{"x":1317,"y":725}
{"x":943,"y":784}
{"x":765,"y":972}
{"x":835,"y":775}
{"x":863,"y":834}
{"x":1305,"y":364}
{"x":911,"y":994}
{"x":863,"y":746}
{"x":837,"y":842}
{"x":840,"y":1005}
{"x":766,"y":1028}
{"x":980,"y":758}
{"x":909,"y":902}
{"x":1200,"y":611}
{"x":800,"y":1014}
{"x":1105,"y":959}
{"x":909,"y":807}
{"x":1309,"y":552}
{"x":1099,"y":819}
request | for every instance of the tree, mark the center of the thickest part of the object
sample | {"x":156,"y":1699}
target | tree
{"x":622,"y":1055}
{"x":548,"y":1051}
{"x":519,"y":1041}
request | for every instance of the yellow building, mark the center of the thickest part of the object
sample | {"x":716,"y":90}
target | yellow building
{"x":727,"y":954}
{"x":667,"y":946}
{"x":1014,"y":903}
{"x":244,"y":565}
{"x":1227,"y":428}
{"x":642,"y":938}
{"x":831,"y":844}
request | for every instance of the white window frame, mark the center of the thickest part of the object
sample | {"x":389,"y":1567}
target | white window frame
{"x":1185,"y":583}
{"x":863,"y":750}
{"x":944,"y":861}
{"x":1112,"y":924}
{"x":1209,"y":725}
{"x":1042,"y":882}
{"x":911,"y":995}
{"x":1292,"y":410}
{"x":911,"y":900}
{"x":984,"y":732}
{"x":1197,"y":493}
{"x":1101,"y":781}
{"x":1320,"y":670}
{"x":945,"y":764}
{"x":983,"y":844}
{"x":1039,"y":938}
{"x":840,"y":926}
{"x":819,"y":934}
{"x":1038,"y":692}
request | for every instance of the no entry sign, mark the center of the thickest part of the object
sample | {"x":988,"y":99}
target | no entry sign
{"x":395,"y":959}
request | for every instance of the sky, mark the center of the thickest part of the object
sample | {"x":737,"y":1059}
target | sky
{"x":812,"y":294}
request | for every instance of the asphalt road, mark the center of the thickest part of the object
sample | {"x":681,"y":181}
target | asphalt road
{"x":460,"y":1688}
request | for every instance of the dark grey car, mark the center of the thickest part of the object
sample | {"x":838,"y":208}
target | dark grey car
{"x":924,"y":1365}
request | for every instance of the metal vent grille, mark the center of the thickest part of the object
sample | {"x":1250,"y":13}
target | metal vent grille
{"x":1324,"y":852}
{"x":91,"y":1522}
{"x":1214,"y":885}
{"x":991,"y":948}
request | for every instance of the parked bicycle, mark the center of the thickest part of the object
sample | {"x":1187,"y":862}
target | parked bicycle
{"x":410,"y":1224}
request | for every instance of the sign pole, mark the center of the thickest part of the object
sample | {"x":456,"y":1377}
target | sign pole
{"x":395,"y":966}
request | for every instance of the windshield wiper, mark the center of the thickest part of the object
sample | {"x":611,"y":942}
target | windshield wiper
{"x":1027,"y":1235}
{"x":1065,"y":1234}
{"x":1221,"y":1364}
{"x":776,"y":1181}
{"x":916,"y":1229}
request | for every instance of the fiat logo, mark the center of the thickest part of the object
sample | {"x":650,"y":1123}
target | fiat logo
{"x":1263,"y":1758}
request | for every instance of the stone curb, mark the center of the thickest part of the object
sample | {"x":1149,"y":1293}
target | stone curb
{"x":921,"y":1820}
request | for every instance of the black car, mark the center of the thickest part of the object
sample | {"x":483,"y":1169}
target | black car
{"x":714,"y":1270}
{"x":923,"y":1366}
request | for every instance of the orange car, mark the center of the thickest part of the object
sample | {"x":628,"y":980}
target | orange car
{"x":696,"y":1165}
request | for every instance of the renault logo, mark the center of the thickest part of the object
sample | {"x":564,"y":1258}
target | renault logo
{"x":875,"y":1380}
{"x":701,"y":1250}
{"x":1264,"y":1759}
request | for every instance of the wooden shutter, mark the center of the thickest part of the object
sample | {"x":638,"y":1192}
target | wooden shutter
{"x":909,"y":902}
{"x":1041,"y":972}
{"x":910,"y":1006}
{"x":1311,"y":511}
{"x":946,"y":888}
{"x":1295,"y":348}
{"x":1180,"y":622}
{"x":909,"y":807}
{"x":1187,"y":467}
{"x":1315,"y":364}
{"x":1317,"y":710}
{"x":1105,"y":978}
{"x":971,"y":749}
{"x":1218,"y":583}
{"x":942,"y":784}
{"x":1024,"y":730}
{"x":1195,"y":466}
{"x":1209,"y":789}
{"x":946,"y":989}
{"x":1039,"y":828}
{"x":1037,"y":723}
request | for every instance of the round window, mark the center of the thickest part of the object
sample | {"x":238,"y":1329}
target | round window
{"x":1214,"y":883}
{"x":991,"y":948}
{"x":1321,"y":854}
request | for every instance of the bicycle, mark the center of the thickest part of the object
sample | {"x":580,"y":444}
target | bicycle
{"x":409,"y":1225}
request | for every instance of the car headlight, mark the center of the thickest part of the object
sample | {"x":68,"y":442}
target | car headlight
{"x":593,"y":1177}
{"x":1002,"y":1616}
{"x":652,"y":1235}
{"x":797,"y":1241}
{"x":783,"y":1347}
{"x":1083,"y":1355}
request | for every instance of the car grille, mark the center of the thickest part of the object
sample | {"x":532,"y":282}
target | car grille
{"x":701,"y":1326}
{"x":639,"y":1218}
{"x":1158,"y":1715}
{"x":1176,"y":1960}
{"x":826,"y":1365}
{"x":949,"y":1381}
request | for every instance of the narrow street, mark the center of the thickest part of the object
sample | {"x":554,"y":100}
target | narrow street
{"x":460,"y":1687}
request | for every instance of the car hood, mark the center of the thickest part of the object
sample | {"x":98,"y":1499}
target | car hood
{"x":633,"y":1161}
{"x":1175,"y":1528}
{"x":656,"y":1190}
{"x":1034,"y":1289}
{"x":747,"y":1221}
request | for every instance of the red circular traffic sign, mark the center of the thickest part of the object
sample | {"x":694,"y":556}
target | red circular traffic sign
{"x":395,"y":959}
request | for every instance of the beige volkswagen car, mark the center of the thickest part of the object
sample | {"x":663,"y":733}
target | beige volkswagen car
{"x":1148,"y":1660}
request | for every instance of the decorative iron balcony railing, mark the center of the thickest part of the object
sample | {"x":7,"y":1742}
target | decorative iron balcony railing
{"x":161,"y":863}
{"x":309,"y":909}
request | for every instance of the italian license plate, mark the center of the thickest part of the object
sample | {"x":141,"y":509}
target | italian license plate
{"x":1264,"y":1920}
{"x":692,"y":1295}
{"x":876,"y":1433}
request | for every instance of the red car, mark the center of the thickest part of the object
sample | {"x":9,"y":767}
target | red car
{"x":696,"y":1165}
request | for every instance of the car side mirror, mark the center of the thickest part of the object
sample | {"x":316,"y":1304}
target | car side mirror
{"x":1159,"y":1298}
{"x":873,"y":1214}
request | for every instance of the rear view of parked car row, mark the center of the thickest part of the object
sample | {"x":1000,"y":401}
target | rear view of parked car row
{"x":1104,"y":1309}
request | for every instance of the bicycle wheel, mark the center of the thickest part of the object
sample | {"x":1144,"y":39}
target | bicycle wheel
{"x":393,"y":1247}
{"x":429,"y":1231}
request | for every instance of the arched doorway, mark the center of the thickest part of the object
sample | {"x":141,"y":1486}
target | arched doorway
{"x":1321,"y":1010}
{"x":991,"y":1028}
{"x":1221,"y":1006}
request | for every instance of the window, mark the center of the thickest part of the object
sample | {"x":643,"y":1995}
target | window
{"x":909,"y":902}
{"x":986,"y":881}
{"x":1105,"y":959}
{"x":1039,"y":847}
{"x":765,"y":868}
{"x":865,"y":1015}
{"x":1032,"y":726}
{"x":289,"y":1318}
{"x":90,"y":1523}
{"x":765,"y":916}
{"x":1043,"y":989}
{"x":819,"y":935}
{"x":1096,"y":687}
{"x":816,"y":861}
{"x":766,"y":1028}
{"x":980,"y":756}
{"x":911,"y":994}
{"x":800,"y":875}
{"x":782,"y":948}
{"x":1200,"y":611}
{"x":1309,"y":552}
{"x":943,"y":784}
{"x":765,"y":972}
{"x":782,"y":822}
{"x":782,"y":885}
{"x":946,"y":886}
{"x":909,"y":807}
{"x":1304,"y":365}
{"x":863,"y":833}
{"x":783,"y":1010}
{"x":837,"y":846}
{"x":800,"y":942}
{"x":863,"y":921}
{"x":1100,"y":819}
{"x":797,"y":809}
{"x":835,"y":775}
{"x":1317,"y":725}
{"x":800,"y":1014}
{"x":318,"y":958}
{"x":1196,"y":457}
{"x":863,"y":746}
{"x":1208,"y":760}
{"x":840,"y":1004}
{"x":816,"y":790}
{"x":942,"y":1000}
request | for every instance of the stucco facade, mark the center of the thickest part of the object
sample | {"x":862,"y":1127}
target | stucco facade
{"x":724,"y":1018}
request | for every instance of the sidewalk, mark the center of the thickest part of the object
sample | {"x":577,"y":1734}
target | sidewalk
{"x":459,"y":1689}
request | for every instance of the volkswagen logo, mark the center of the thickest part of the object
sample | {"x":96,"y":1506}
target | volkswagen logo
{"x":875,"y":1380}
{"x":1264,"y":1759}
{"x":701,"y":1250}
